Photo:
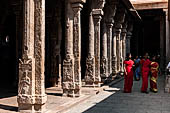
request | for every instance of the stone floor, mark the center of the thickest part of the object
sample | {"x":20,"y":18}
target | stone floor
{"x":111,"y":100}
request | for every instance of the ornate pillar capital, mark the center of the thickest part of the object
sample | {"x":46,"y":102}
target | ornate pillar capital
{"x":77,"y":6}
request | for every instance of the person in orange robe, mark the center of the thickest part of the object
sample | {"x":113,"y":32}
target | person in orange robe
{"x":128,"y":75}
{"x":154,"y":75}
{"x":145,"y":73}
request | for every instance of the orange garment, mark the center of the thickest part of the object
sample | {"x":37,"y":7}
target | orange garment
{"x":154,"y":76}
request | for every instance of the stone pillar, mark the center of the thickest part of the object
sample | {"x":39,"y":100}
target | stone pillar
{"x":90,"y":61}
{"x":109,"y":13}
{"x":162,"y":42}
{"x":114,"y":56}
{"x":129,"y":36}
{"x":109,"y":46}
{"x":119,"y":20}
{"x":31,"y":91}
{"x":117,"y":36}
{"x":123,"y":45}
{"x":93,"y":78}
{"x":39,"y":53}
{"x":167,"y":38}
{"x":104,"y":60}
{"x":97,"y":18}
{"x":71,"y":64}
{"x":26,"y":85}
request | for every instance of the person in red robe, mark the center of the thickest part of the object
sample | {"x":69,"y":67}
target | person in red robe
{"x":154,"y":75}
{"x":128,"y":75}
{"x":145,"y":73}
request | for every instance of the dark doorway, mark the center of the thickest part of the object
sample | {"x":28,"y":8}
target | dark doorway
{"x":147,"y":35}
{"x":8,"y":52}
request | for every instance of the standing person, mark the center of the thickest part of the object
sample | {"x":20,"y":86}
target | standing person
{"x":128,"y":76}
{"x":137,"y":68}
{"x":145,"y":72}
{"x":154,"y":75}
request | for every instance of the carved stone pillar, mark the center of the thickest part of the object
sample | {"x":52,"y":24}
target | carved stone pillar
{"x":114,"y":55}
{"x":119,"y":19}
{"x":128,"y":38}
{"x":29,"y":101}
{"x":104,"y":60}
{"x":109,"y":45}
{"x":124,"y":31}
{"x":90,"y":61}
{"x":97,"y":18}
{"x":39,"y":53}
{"x":117,"y":32}
{"x":71,"y":65}
{"x":123,"y":46}
{"x":93,"y":77}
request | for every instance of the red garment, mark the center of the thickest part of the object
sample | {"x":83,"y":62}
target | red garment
{"x":154,"y":76}
{"x":145,"y":72}
{"x":128,"y":82}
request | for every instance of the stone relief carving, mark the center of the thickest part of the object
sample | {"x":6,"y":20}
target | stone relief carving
{"x":68,"y":69}
{"x":25,"y":73}
{"x":103,"y":67}
{"x":90,"y":69}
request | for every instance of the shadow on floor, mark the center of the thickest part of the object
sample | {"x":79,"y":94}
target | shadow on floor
{"x":7,"y":107}
{"x":135,"y":102}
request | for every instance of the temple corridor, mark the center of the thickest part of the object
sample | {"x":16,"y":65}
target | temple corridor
{"x":53,"y":52}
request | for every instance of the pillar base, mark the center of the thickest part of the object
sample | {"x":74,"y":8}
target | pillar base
{"x":32,"y":108}
{"x":93,"y":85}
{"x":71,"y":93}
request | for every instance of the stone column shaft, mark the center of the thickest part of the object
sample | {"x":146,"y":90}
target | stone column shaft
{"x":128,"y":37}
{"x":114,"y":55}
{"x":71,"y":65}
{"x":104,"y":60}
{"x":39,"y":37}
{"x":109,"y":46}
{"x":93,"y":78}
{"x":118,"y":31}
{"x":97,"y":18}
{"x":26,"y":85}
{"x":77,"y":46}
{"x":31,"y":91}
{"x":90,"y":61}
{"x":124,"y":44}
